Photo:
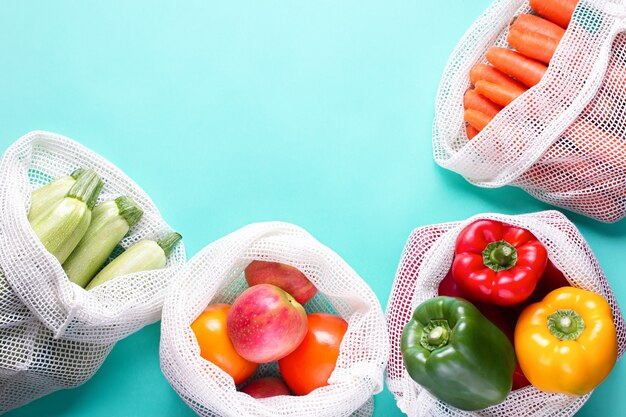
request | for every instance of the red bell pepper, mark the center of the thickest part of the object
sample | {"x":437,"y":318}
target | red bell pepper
{"x":551,"y":279}
{"x":498,"y":263}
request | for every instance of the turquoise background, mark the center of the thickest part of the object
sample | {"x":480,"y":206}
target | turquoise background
{"x":317,"y":113}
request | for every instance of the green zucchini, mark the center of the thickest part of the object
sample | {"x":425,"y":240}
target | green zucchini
{"x":45,"y":197}
{"x":110,"y":221}
{"x":61,"y":227}
{"x":144,"y":255}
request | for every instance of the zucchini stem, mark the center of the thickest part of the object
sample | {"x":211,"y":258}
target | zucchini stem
{"x":169,"y":242}
{"x":129,"y":210}
{"x":87,"y":188}
{"x":78,"y":172}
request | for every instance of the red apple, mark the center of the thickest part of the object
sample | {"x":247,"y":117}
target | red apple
{"x":265,"y":323}
{"x":286,"y":277}
{"x":269,"y":386}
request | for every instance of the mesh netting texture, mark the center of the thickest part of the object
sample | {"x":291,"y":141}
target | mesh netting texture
{"x":563,"y":140}
{"x":215,"y":275}
{"x":426,"y":260}
{"x":53,"y":333}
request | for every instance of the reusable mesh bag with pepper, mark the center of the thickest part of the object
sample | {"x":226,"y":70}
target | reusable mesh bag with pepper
{"x":53,"y":333}
{"x":561,"y":140}
{"x":215,"y":275}
{"x":426,"y":262}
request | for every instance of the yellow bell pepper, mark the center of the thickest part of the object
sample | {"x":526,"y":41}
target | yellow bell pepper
{"x":567,"y":342}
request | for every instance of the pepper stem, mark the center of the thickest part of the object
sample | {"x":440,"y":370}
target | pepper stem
{"x":435,"y":335}
{"x":500,"y":256}
{"x":566,"y":324}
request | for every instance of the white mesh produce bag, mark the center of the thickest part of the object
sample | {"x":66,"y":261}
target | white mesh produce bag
{"x":563,"y":140}
{"x":53,"y":333}
{"x":426,"y":260}
{"x":215,"y":275}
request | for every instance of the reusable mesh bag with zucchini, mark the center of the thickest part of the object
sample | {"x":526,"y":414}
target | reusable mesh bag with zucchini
{"x":426,"y":262}
{"x":563,"y":139}
{"x":54,"y":334}
{"x":215,"y":275}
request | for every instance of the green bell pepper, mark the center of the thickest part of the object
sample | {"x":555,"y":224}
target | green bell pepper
{"x":457,"y":354}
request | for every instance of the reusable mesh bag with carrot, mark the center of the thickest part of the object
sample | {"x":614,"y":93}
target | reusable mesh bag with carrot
{"x":80,"y":265}
{"x":215,"y":278}
{"x":534,"y":96}
{"x":438,"y":262}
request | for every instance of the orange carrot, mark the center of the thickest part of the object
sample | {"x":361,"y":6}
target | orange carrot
{"x":615,"y":78}
{"x":597,"y":143}
{"x":473,"y":100}
{"x":532,"y":23}
{"x":527,"y":70}
{"x":471,"y":131}
{"x":607,"y":108}
{"x":532,"y":44}
{"x":556,"y":11}
{"x":499,"y":94}
{"x":489,"y":73}
{"x":478,"y":120}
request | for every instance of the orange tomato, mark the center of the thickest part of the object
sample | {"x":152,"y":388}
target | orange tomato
{"x":215,"y":346}
{"x":312,"y":363}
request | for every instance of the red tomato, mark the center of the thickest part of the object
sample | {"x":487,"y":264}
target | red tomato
{"x":310,"y":365}
{"x":215,"y":346}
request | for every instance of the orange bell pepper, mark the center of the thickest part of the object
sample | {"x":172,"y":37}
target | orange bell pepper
{"x":567,"y":342}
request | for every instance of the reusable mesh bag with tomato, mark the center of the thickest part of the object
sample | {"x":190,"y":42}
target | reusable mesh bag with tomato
{"x":64,"y":213}
{"x":235,"y":314}
{"x":534,"y":96}
{"x":500,"y":316}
